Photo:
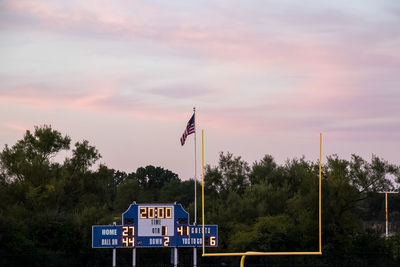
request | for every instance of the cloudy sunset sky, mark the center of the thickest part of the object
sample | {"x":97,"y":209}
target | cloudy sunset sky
{"x":266,"y":77}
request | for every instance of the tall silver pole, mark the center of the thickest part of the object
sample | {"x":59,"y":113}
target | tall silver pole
{"x":195,"y":169}
{"x":195,"y":184}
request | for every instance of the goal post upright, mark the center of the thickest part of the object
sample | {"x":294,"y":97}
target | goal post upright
{"x":319,"y":194}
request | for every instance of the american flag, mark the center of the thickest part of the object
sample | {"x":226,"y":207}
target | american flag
{"x":190,"y":128}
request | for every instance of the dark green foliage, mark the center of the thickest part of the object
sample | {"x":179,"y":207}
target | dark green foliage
{"x":47,"y":207}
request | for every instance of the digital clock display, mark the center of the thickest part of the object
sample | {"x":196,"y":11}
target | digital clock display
{"x":155,"y":212}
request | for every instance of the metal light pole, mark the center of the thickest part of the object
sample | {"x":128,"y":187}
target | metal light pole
{"x":386,"y":209}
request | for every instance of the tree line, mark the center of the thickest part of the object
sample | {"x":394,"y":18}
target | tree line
{"x":47,"y":206}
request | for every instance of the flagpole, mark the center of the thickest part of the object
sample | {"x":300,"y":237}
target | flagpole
{"x":189,"y":130}
{"x":195,"y":191}
{"x":195,"y":169}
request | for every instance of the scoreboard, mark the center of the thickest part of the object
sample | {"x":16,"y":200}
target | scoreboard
{"x":154,"y":225}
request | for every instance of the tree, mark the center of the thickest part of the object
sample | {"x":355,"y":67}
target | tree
{"x":45,"y":199}
{"x":264,"y":171}
{"x":29,"y":159}
{"x":151,"y":177}
{"x":269,"y":233}
{"x":83,"y":157}
{"x":232,"y":174}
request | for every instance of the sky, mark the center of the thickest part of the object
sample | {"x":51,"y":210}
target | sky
{"x":266,"y":77}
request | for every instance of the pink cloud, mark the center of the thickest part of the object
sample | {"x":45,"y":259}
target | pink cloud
{"x":105,"y":98}
{"x":16,"y":126}
{"x":87,"y":16}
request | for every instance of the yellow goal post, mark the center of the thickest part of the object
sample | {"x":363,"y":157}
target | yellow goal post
{"x":254,"y":253}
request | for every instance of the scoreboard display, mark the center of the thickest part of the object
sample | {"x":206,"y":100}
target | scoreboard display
{"x":154,"y":225}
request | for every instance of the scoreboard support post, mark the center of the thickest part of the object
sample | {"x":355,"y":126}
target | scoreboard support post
{"x":134,"y":257}
{"x":114,"y":262}
{"x":195,"y":257}
{"x":175,"y":257}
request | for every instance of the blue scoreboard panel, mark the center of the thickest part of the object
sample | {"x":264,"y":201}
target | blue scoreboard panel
{"x":154,"y":225}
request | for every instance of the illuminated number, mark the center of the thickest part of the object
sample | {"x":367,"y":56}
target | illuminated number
{"x":166,"y":241}
{"x":164,"y":230}
{"x":168,"y":213}
{"x":143,"y":213}
{"x":212,"y":241}
{"x":150,"y":213}
{"x":128,"y":241}
{"x":180,"y":230}
{"x":160,"y":213}
{"x":128,"y":231}
{"x":125,"y":230}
